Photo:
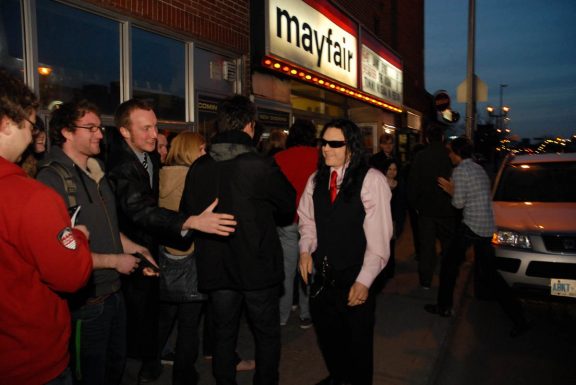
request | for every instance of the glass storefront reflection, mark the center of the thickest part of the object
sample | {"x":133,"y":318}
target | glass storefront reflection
{"x":159,"y":73}
{"x":11,"y":37}
{"x":81,"y":53}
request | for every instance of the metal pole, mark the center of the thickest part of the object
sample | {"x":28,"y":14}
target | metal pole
{"x":471,"y":75}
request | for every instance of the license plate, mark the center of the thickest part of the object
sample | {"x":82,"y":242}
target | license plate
{"x":563,"y":287}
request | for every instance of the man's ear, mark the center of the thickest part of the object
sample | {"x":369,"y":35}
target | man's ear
{"x":249,"y":128}
{"x":125,"y":132}
{"x":6,"y":125}
{"x":66,"y":133}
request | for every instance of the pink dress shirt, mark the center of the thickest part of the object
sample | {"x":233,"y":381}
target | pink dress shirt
{"x":375,"y":195}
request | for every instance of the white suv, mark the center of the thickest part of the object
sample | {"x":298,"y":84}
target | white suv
{"x":534,"y":201}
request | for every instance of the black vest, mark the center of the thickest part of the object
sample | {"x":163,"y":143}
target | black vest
{"x":339,"y":226}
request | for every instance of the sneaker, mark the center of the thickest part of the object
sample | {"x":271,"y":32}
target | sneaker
{"x":305,"y":323}
{"x":168,"y":358}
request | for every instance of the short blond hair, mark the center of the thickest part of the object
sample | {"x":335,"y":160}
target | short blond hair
{"x":185,"y":149}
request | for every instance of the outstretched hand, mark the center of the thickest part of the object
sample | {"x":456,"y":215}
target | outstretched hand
{"x":446,"y":185}
{"x":210,"y":222}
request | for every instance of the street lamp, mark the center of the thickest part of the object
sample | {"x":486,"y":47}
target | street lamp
{"x":502,"y":114}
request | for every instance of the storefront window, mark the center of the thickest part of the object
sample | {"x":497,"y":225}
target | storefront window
{"x":11,"y":37}
{"x":158,"y":73}
{"x":80,"y":53}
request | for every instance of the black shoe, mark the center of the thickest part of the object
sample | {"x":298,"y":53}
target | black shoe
{"x":435,"y":309}
{"x":150,"y":372}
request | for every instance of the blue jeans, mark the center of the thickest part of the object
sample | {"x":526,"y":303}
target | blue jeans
{"x":262,"y":310}
{"x":289,"y":239}
{"x":98,"y":342}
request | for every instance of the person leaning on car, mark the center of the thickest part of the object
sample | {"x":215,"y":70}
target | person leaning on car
{"x":470,"y":191}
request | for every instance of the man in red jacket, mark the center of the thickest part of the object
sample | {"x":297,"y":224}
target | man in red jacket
{"x":41,"y":256}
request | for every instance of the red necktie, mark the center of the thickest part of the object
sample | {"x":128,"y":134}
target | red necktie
{"x":333,"y":188}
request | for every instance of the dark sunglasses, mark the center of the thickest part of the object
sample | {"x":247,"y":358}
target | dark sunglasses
{"x":332,"y":143}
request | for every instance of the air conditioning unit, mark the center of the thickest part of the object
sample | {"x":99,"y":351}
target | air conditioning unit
{"x":229,"y":69}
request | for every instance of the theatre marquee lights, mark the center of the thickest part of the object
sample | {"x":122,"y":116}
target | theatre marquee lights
{"x":314,"y":78}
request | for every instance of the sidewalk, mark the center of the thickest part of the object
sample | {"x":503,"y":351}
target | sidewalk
{"x":408,"y":342}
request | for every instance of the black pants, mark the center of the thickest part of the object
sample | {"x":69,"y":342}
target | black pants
{"x":485,"y":262}
{"x":262,"y":309}
{"x":345,"y":333}
{"x":187,"y":315}
{"x":141,"y":298}
{"x":430,"y":229}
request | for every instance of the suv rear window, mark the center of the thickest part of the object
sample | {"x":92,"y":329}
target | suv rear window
{"x":538,"y":182}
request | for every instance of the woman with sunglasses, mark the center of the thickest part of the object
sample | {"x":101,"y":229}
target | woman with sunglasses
{"x":345,"y":228}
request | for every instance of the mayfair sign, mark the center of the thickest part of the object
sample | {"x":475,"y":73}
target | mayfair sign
{"x":301,"y":34}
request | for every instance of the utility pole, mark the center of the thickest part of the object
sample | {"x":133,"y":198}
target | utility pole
{"x":471,"y":73}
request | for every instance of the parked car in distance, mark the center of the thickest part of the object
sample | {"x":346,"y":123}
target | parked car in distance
{"x":534,"y":202}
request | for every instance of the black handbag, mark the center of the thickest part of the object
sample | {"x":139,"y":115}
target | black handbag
{"x":178,"y":279}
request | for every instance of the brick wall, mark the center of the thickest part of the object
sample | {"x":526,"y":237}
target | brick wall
{"x":224,"y":23}
{"x":399,"y":24}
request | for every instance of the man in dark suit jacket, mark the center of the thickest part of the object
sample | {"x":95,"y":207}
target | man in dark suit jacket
{"x":436,"y":215}
{"x":247,"y":267}
{"x":134,"y":175}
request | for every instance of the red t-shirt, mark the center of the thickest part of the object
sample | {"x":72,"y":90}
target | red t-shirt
{"x":298,"y":163}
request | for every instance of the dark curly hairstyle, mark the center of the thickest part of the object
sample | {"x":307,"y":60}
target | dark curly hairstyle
{"x":234,"y":113}
{"x":354,"y":147}
{"x":17,"y":101}
{"x":65,"y":116}
{"x":302,"y":133}
{"x":462,"y":146}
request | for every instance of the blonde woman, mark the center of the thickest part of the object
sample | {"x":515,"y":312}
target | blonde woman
{"x":182,"y":306}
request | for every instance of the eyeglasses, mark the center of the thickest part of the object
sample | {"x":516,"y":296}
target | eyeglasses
{"x":36,"y":128}
{"x":332,"y":143}
{"x":91,"y":128}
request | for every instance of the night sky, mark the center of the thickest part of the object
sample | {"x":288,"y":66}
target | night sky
{"x":530,"y":45}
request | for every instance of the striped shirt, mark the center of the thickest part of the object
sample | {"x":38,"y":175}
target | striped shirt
{"x":472,"y":193}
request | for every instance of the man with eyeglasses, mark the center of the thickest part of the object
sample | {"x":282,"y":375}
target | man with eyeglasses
{"x":98,"y":313}
{"x":134,"y":173}
{"x":42,"y":256}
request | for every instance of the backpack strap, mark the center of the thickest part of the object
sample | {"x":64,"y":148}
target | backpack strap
{"x":69,"y":184}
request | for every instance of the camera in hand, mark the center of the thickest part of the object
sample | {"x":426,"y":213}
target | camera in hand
{"x":145,"y":263}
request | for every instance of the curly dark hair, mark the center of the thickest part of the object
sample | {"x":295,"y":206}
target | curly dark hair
{"x":234,"y":113}
{"x":17,"y":101}
{"x":354,"y":147}
{"x":65,"y":116}
{"x":462,"y":146}
{"x":302,"y":133}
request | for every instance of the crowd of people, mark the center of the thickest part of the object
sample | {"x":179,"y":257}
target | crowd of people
{"x":110,"y":254}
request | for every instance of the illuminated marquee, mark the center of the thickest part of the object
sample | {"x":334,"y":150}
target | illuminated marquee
{"x":306,"y":37}
{"x":381,"y":71}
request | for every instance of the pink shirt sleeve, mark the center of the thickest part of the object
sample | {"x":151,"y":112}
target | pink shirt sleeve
{"x":306,"y":224}
{"x":375,"y":195}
